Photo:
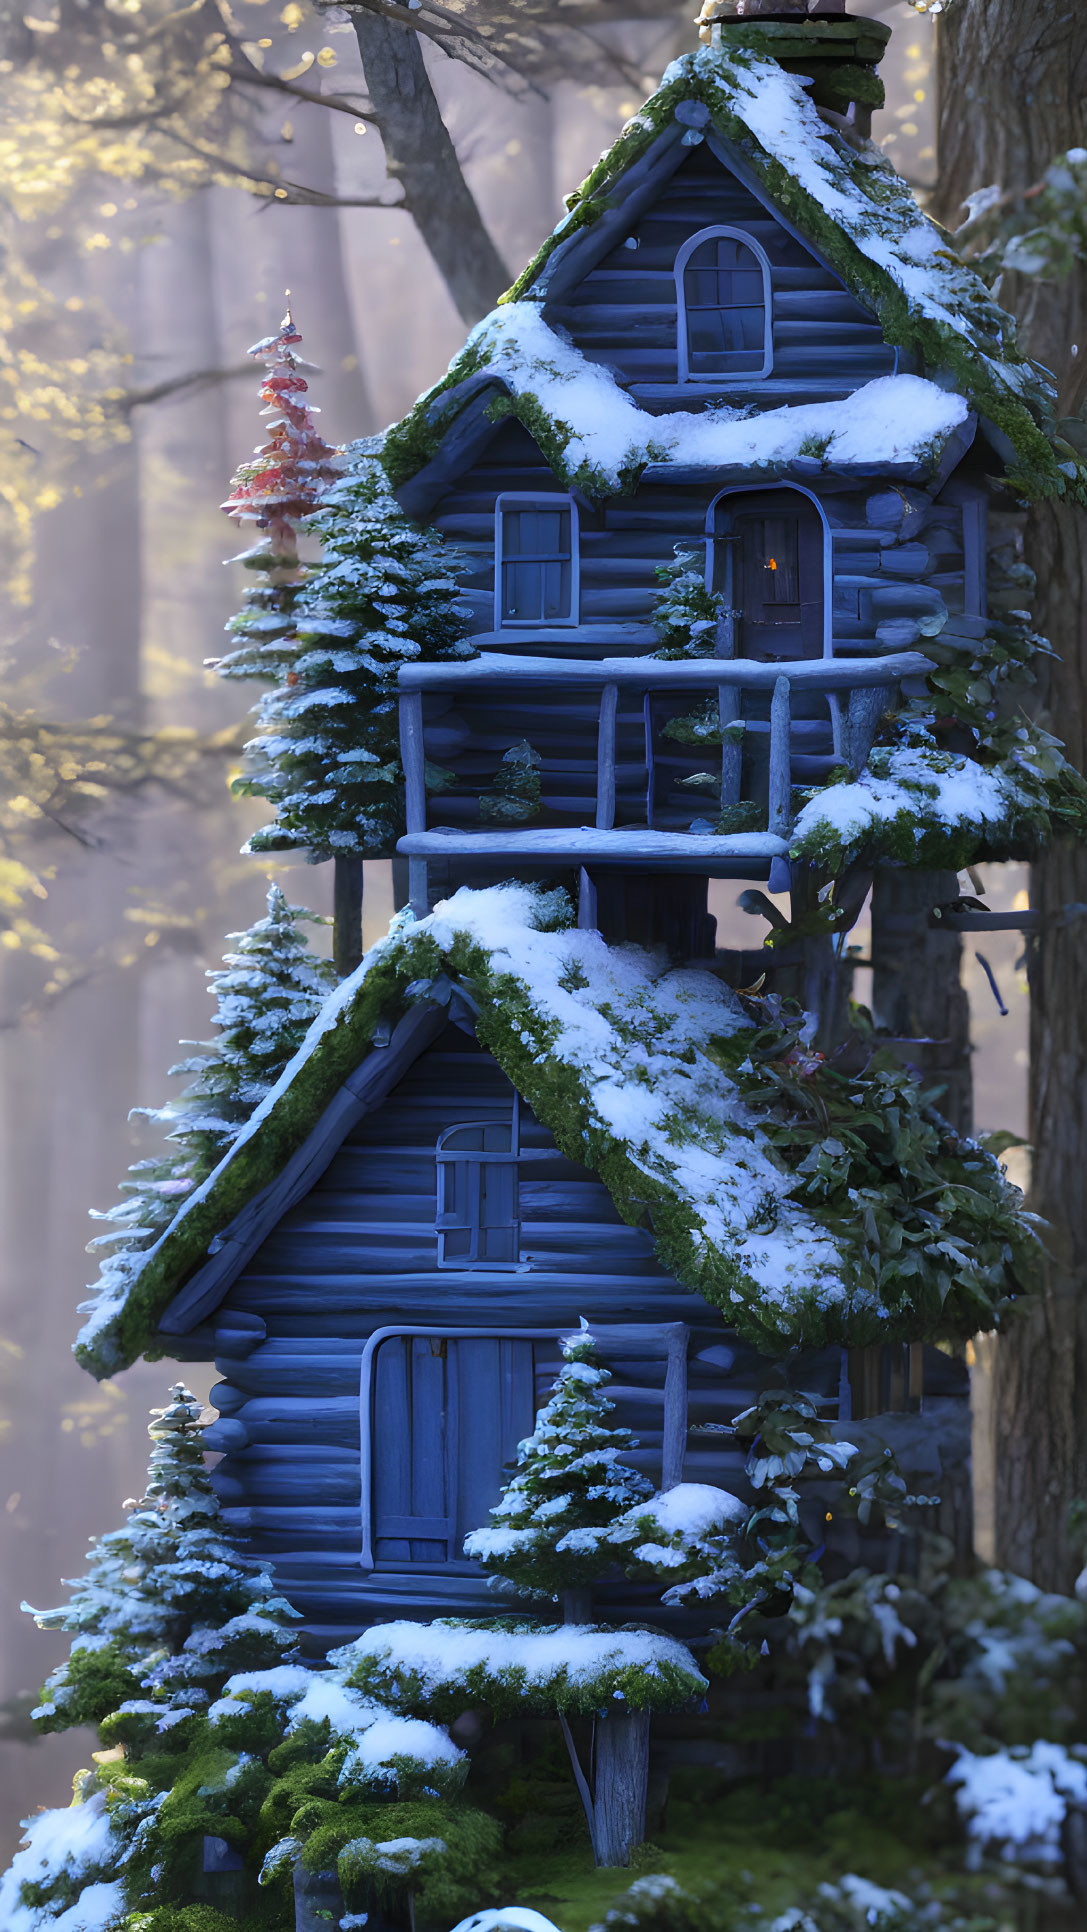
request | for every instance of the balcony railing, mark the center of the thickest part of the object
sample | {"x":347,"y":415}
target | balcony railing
{"x":856,"y":692}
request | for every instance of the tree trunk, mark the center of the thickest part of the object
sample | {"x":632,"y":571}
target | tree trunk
{"x":1013,"y":93}
{"x":420,"y":155}
{"x":620,"y":1786}
{"x":347,"y":914}
{"x":917,"y":993}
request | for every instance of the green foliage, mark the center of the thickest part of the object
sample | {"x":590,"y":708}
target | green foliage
{"x":659,"y":1903}
{"x":268,"y":992}
{"x":552,"y":1526}
{"x":202,"y":1918}
{"x":539,"y":1681}
{"x":879,"y":1495}
{"x":929,"y":1219}
{"x":517,"y":792}
{"x":157,"y":1589}
{"x":1037,"y":231}
{"x":327,"y":753}
{"x":1013,"y":1666}
{"x":686,"y":614}
{"x":448,"y":1862}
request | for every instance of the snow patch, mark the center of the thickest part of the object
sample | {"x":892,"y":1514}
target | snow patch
{"x":1014,"y":1801}
{"x":895,"y":419}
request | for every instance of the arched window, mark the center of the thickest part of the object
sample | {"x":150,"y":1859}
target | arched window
{"x":478,"y":1218}
{"x":724,"y":307}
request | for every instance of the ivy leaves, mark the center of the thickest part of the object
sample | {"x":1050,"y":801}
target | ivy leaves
{"x":935,"y":1233}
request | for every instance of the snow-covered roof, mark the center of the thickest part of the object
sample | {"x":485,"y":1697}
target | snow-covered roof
{"x":847,"y":202}
{"x":610,"y":1046}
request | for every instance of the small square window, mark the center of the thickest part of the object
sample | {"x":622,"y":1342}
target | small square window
{"x":537,"y":561}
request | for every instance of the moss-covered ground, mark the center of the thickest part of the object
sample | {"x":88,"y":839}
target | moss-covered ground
{"x":772,"y":1845}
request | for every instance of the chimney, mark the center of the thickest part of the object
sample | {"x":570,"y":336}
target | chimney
{"x":838,"y":53}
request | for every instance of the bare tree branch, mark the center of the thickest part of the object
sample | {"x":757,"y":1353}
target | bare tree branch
{"x":421,"y":157}
{"x":338,"y":103}
{"x":176,"y":385}
{"x":293,"y":193}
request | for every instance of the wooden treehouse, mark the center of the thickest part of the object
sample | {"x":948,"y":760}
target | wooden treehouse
{"x":745,"y":345}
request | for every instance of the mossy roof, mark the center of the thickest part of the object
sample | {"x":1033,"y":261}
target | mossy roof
{"x":609,"y":1046}
{"x":847,"y":202}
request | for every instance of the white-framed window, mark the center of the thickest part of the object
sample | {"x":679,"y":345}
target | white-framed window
{"x":536,"y":561}
{"x":724,"y":307}
{"x":478,"y":1217}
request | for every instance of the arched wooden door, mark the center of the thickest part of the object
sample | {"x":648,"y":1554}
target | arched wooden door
{"x":768,"y":565}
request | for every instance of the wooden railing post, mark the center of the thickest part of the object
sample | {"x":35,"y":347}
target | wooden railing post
{"x":413,"y":758}
{"x":728,"y":711}
{"x":605,"y":759}
{"x":780,"y":759}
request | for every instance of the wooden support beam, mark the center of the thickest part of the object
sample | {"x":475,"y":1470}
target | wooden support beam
{"x":780,"y":760}
{"x":605,"y":758}
{"x":650,"y":674}
{"x":728,"y":706}
{"x":413,"y":757}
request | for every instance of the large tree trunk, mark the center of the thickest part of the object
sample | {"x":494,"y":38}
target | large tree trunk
{"x":1013,"y":92}
{"x":917,"y":992}
{"x":420,"y":155}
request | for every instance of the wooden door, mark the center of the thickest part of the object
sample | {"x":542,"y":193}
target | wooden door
{"x":447,"y":1415}
{"x":769,"y":563}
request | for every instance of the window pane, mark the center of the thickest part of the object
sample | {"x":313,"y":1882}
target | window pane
{"x":725,"y":314}
{"x":537,"y":563}
{"x":522,"y":591}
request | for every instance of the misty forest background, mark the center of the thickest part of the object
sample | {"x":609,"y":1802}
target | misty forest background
{"x":127,"y":303}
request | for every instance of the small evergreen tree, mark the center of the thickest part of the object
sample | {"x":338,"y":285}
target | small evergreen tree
{"x":552,"y":1531}
{"x":327,"y":752}
{"x":167,"y":1603}
{"x":281,"y":483}
{"x":268,"y":991}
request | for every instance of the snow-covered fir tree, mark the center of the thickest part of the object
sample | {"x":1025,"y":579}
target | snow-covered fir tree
{"x":268,"y":991}
{"x":552,"y":1530}
{"x":327,"y":753}
{"x":167,"y":1606}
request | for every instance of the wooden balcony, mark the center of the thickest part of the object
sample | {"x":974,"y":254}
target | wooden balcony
{"x":796,"y":722}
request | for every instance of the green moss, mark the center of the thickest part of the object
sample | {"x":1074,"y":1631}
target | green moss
{"x":771,"y":1844}
{"x":523,"y":1042}
{"x":511,"y":1692}
{"x":255,"y":1160}
{"x":205,"y":1918}
{"x":1042,"y":466}
{"x":95,"y":1683}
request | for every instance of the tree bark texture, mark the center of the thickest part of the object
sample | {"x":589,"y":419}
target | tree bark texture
{"x":420,"y":155}
{"x":620,"y":1785}
{"x":1013,"y":93}
{"x":917,"y":993}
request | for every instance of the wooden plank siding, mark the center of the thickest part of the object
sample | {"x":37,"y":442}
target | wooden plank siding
{"x":623,"y":541}
{"x":624,"y":312}
{"x":360,"y":1255}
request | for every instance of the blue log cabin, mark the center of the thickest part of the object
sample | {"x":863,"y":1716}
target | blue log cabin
{"x":744,"y":344}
